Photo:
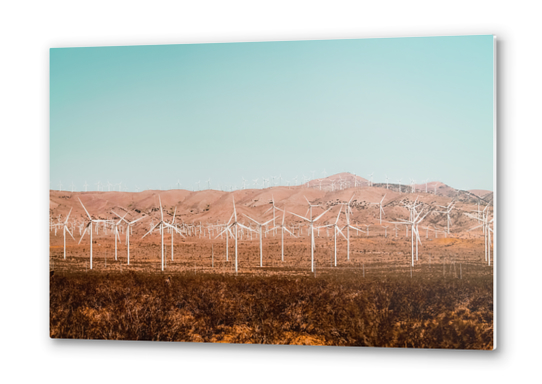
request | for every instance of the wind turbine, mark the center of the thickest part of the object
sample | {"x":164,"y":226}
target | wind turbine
{"x":380,"y":208}
{"x":260,"y":225}
{"x":162,"y":225}
{"x":65,"y":228}
{"x":273,"y":207}
{"x":172,"y":233}
{"x":116,"y":231}
{"x":311,"y":222}
{"x":89,"y":226}
{"x":414,"y":230}
{"x":413,"y":185}
{"x":60,"y":186}
{"x":447,"y":211}
{"x":129,"y":225}
{"x":348,"y":211}
{"x":233,"y":224}
{"x":283,"y":228}
{"x":487,"y":230}
{"x":85,"y":185}
{"x":335,"y":230}
{"x":387,"y":182}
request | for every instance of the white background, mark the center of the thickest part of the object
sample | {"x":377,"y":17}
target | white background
{"x":28,"y":29}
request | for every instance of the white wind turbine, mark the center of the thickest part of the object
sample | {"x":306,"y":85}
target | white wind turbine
{"x":414,"y":231}
{"x":162,"y":225}
{"x":399,"y":182}
{"x":273,"y":207}
{"x":230,"y":225}
{"x":387,"y":179}
{"x":173,"y":232}
{"x":335,"y":230}
{"x":447,"y":211}
{"x":60,"y":186}
{"x":311,"y":223}
{"x":380,"y":207}
{"x":487,"y":230}
{"x":89,"y":227}
{"x":260,"y":225}
{"x":413,"y":185}
{"x":85,"y":185}
{"x":129,"y":226}
{"x":283,"y":228}
{"x":348,"y":212}
{"x":116,"y":231}
{"x":65,"y":228}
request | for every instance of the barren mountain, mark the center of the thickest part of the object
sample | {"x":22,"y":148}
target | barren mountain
{"x":212,"y":206}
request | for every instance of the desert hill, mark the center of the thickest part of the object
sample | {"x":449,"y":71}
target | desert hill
{"x":212,"y":206}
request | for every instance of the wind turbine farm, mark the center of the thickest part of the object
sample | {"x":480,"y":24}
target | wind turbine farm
{"x":221,"y":234}
{"x":274,"y":193}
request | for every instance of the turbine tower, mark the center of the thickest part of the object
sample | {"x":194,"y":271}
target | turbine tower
{"x":65,"y":228}
{"x":311,"y":223}
{"x":335,"y":230}
{"x":380,"y":208}
{"x":283,"y":228}
{"x":260,"y":225}
{"x":89,"y":227}
{"x":129,"y":226}
{"x":162,"y":225}
{"x":235,"y":224}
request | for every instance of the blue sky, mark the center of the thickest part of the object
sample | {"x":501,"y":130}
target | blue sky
{"x":148,"y":116}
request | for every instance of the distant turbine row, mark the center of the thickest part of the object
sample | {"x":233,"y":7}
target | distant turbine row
{"x":263,"y":182}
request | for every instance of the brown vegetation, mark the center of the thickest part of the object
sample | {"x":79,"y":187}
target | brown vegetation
{"x":429,"y":310}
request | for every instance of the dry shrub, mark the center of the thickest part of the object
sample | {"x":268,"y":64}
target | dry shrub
{"x":342,"y":309}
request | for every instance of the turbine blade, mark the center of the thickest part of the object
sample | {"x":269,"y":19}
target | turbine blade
{"x":295,"y":214}
{"x":88,"y":214}
{"x":67,"y":217}
{"x":322,"y":214}
{"x":152,"y":229}
{"x":69,"y":232}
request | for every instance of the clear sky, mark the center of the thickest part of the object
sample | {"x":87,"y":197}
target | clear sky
{"x":148,"y":116}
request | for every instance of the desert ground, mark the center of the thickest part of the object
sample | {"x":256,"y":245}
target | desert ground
{"x":373,"y":296}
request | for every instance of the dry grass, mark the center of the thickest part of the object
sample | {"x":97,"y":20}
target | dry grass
{"x":389,"y":309}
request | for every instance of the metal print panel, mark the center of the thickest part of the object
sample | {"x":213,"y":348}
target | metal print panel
{"x":335,"y":193}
